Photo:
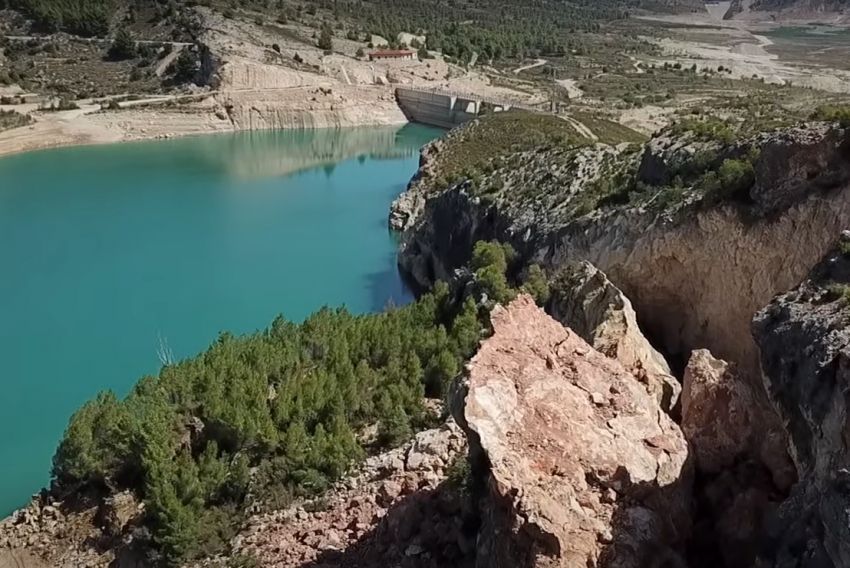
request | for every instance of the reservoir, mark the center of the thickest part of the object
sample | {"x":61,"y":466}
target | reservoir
{"x":116,"y":258}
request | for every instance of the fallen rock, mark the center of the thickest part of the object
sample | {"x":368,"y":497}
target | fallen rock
{"x":585,"y":469}
{"x":717,"y":412}
{"x":725,"y":421}
{"x":584,"y":300}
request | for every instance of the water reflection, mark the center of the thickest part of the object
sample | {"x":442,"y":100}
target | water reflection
{"x":258,"y":154}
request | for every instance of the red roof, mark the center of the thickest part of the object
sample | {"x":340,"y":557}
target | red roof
{"x":392,"y":53}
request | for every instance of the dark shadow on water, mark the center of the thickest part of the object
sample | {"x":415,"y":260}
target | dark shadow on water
{"x":386,"y":287}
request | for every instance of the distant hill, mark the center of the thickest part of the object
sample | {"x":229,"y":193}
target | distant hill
{"x":809,"y":8}
{"x":99,"y":17}
{"x":801,"y":5}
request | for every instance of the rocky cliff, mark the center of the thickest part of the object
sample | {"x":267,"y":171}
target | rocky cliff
{"x":697,"y":260}
{"x":567,"y":455}
{"x":583,"y":467}
{"x":804,"y":340}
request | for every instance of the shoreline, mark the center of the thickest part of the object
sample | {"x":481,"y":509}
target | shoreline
{"x":90,"y":126}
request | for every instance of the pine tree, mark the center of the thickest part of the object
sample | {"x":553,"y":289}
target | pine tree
{"x":123,"y":46}
{"x":326,"y":38}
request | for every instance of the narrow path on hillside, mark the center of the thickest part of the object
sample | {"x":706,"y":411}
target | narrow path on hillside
{"x":166,"y":61}
{"x":537,"y":63}
{"x":581,"y":128}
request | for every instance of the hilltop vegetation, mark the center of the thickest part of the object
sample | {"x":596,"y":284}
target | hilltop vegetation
{"x":81,"y":17}
{"x":479,"y":147}
{"x":456,"y":29}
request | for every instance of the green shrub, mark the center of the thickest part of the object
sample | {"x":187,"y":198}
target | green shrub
{"x":490,"y":263}
{"x":326,"y":39}
{"x":537,"y":284}
{"x":838,"y":292}
{"x":833,"y":113}
{"x":11,"y":119}
{"x":82,"y":17}
{"x":186,"y":67}
{"x":123,"y":46}
{"x":708,"y":128}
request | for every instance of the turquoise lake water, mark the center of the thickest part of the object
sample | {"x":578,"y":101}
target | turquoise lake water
{"x":108,"y":253}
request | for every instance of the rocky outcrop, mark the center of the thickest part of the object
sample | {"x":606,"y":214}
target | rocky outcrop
{"x":584,"y":300}
{"x":695,"y":273}
{"x":51,"y":533}
{"x":403,"y":508}
{"x":407,"y":207}
{"x":725,"y":421}
{"x":330,"y":106}
{"x":741,"y":458}
{"x":716,"y":412}
{"x":804,"y":340}
{"x":584,"y":467}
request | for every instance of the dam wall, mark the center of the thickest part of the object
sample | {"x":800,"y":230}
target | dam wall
{"x":436,"y":108}
{"x":448,"y":109}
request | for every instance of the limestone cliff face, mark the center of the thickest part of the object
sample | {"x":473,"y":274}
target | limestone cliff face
{"x":584,"y":469}
{"x":584,"y":300}
{"x":294,"y":86}
{"x":407,"y":207}
{"x":695,"y":275}
{"x":804,"y":339}
{"x":330,"y":106}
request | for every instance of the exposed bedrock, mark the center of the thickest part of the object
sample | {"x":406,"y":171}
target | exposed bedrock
{"x":584,"y":300}
{"x":741,"y":459}
{"x":583,"y":466}
{"x":695,"y":277}
{"x":804,"y":340}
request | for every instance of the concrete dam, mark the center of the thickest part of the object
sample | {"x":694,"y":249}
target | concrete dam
{"x":447,"y":109}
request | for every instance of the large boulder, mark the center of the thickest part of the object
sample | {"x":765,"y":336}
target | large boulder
{"x":584,"y":300}
{"x":717,"y":412}
{"x":725,"y":422}
{"x":584,"y":468}
{"x":804,"y":339}
{"x":741,"y":455}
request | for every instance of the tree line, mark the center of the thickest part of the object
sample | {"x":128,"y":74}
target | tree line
{"x":265,"y":418}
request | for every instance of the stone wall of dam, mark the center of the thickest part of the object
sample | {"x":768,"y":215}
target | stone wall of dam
{"x":436,"y":108}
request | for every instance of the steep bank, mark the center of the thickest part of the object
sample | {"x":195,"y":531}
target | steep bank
{"x":696,"y":261}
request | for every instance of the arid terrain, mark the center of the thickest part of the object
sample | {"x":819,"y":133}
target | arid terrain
{"x":631,"y":258}
{"x":252,"y":73}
